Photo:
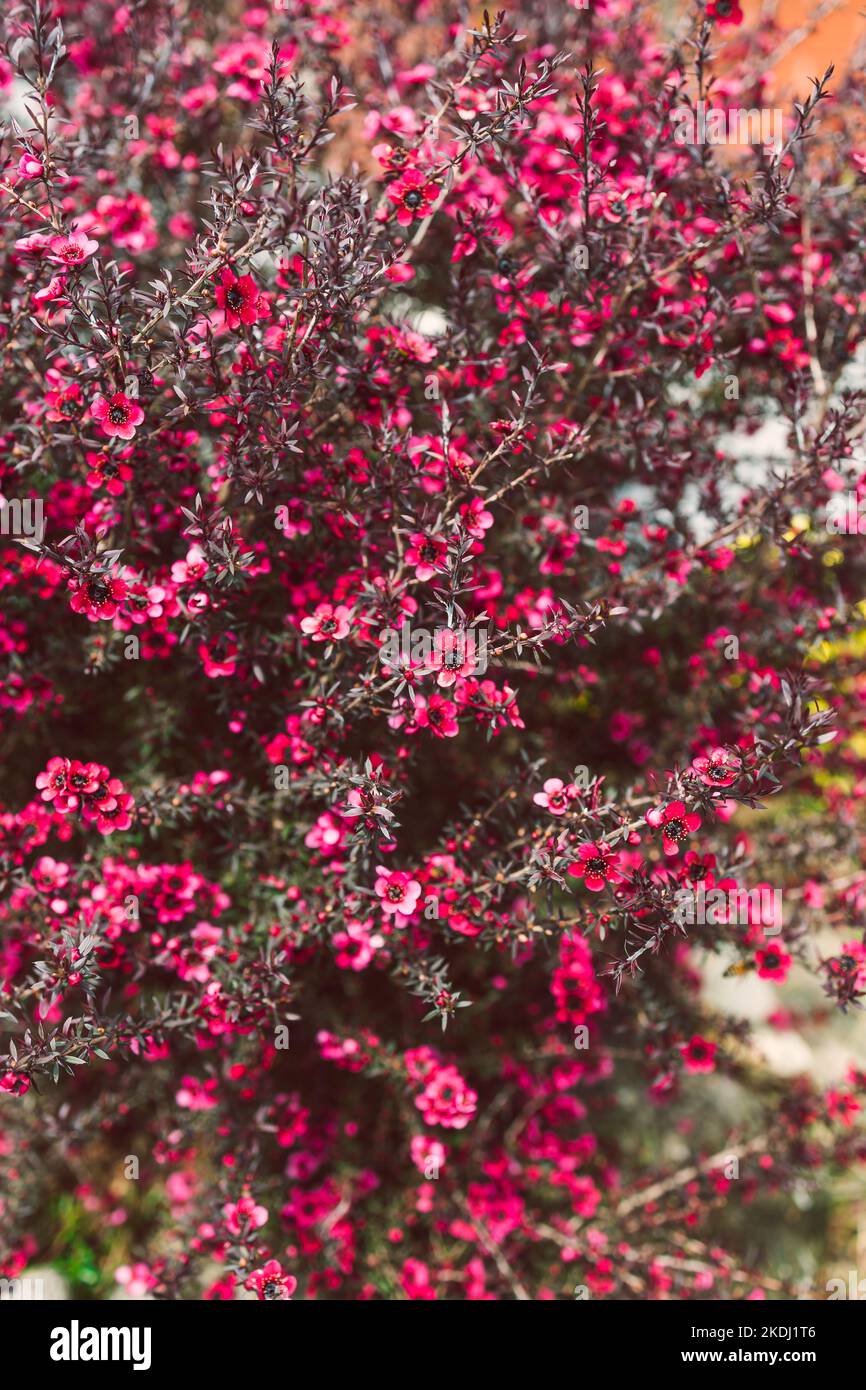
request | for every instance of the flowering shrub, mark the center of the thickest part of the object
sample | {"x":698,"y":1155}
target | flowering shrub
{"x":331,"y":967}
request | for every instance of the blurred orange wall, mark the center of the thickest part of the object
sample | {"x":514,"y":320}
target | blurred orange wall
{"x":833,"y":39}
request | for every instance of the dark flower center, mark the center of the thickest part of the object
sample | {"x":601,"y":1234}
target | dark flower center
{"x":724,"y":7}
{"x":271,"y":1289}
{"x":413,"y":198}
{"x":395,"y":892}
{"x":98,"y":591}
{"x":234,"y":298}
{"x":596,"y":867}
{"x":118,"y":414}
{"x":675,"y":829}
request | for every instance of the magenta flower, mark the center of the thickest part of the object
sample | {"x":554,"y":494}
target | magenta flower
{"x":414,"y":194}
{"x":597,"y":864}
{"x":118,"y":414}
{"x":428,"y":554}
{"x":244,"y":1216}
{"x":454,"y":654}
{"x":98,"y":595}
{"x":719,"y":769}
{"x":328,"y":624}
{"x":675,"y":822}
{"x":72,"y":250}
{"x":53,"y":783}
{"x":699,"y":1055}
{"x":270,"y":1283}
{"x":399,"y":892}
{"x":437,"y":714}
{"x":30,"y":167}
{"x":557,"y":796}
{"x":240,"y":299}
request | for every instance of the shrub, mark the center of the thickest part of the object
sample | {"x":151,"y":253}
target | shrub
{"x":428,"y":651}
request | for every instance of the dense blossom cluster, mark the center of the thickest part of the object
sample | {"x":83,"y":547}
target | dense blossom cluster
{"x":431,"y":578}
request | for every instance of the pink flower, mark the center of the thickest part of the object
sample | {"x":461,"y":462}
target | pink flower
{"x":725,"y":11}
{"x":675,"y":822}
{"x":597,"y":864}
{"x":31,"y":167}
{"x":53,"y":783}
{"x":446,"y":1099}
{"x":436,"y":714}
{"x":556,"y":797}
{"x":14,"y":1084}
{"x":244,"y":1216}
{"x":220,"y":659}
{"x":399,"y":891}
{"x":428,"y":1155}
{"x":699,"y":1054}
{"x":136,"y":1279}
{"x":399,"y":273}
{"x":454,"y":654}
{"x":772,"y":962}
{"x":270,"y":1282}
{"x":328,"y":624}
{"x":98,"y":595}
{"x":720,"y":769}
{"x":429,"y":554}
{"x":71,"y":250}
{"x":118,"y":414}
{"x":414,"y":194}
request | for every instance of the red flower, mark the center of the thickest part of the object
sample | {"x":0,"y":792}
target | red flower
{"x":698,"y":1054}
{"x":437,"y":714}
{"x":842,"y":1106}
{"x":454,"y":654}
{"x":675,"y":821}
{"x":270,"y":1282}
{"x":14,"y":1083}
{"x":725,"y":11}
{"x":239,"y":298}
{"x":772,"y":962}
{"x":82,"y":780}
{"x":596,"y":865}
{"x":97,"y":595}
{"x":111,"y":807}
{"x":720,"y":769}
{"x":105,"y":471}
{"x":118,"y":414}
{"x":427,"y":553}
{"x":414,"y":194}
